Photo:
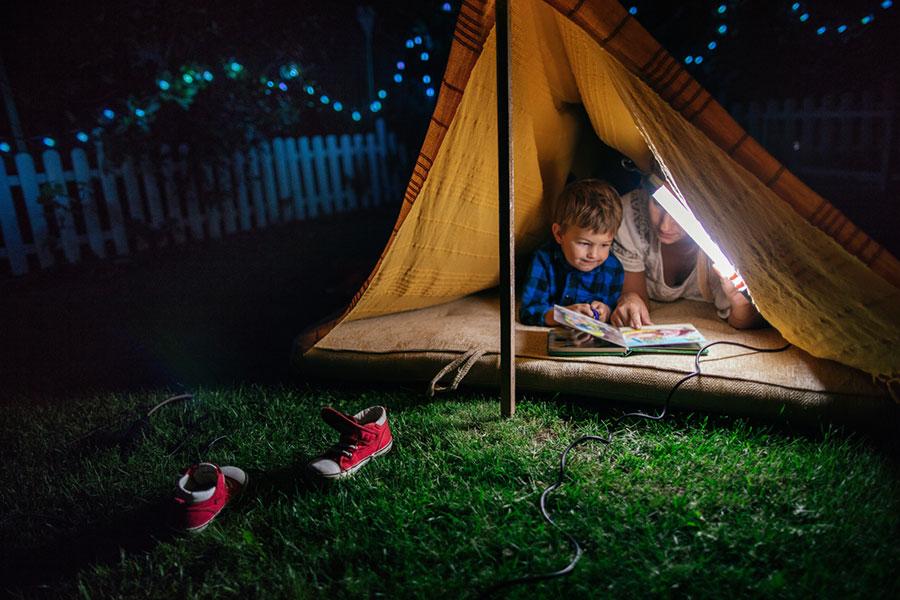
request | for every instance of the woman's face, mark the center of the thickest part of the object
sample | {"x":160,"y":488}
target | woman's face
{"x":667,"y":230}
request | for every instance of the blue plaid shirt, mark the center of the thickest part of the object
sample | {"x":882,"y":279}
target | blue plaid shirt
{"x":552,"y":280}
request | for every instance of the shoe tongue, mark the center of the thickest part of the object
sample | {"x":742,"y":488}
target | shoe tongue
{"x":343,"y":423}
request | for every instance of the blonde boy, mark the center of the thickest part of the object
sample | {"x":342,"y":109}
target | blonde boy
{"x":575,"y":269}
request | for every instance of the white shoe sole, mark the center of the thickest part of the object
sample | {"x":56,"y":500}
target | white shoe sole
{"x":359,"y":465}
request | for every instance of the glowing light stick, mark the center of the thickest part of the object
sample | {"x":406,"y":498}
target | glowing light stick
{"x":686,"y":219}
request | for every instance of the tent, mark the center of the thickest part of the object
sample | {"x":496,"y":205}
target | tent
{"x":582,"y":71}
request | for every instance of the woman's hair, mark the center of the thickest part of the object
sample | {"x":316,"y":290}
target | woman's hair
{"x":591,"y":204}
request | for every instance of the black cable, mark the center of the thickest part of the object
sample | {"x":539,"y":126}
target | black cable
{"x":576,"y":547}
{"x":170,"y":400}
{"x":124,"y":435}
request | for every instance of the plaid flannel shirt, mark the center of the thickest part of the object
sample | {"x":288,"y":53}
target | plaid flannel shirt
{"x":552,"y":280}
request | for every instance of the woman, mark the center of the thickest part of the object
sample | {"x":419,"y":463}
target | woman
{"x":663,"y":263}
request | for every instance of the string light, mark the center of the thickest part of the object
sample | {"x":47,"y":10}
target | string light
{"x":797,"y":10}
{"x":194,"y":74}
{"x":4,"y":147}
{"x":823,"y":28}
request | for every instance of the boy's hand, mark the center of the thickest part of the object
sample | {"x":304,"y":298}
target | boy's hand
{"x":631,"y":312}
{"x":602,"y":311}
{"x":581,"y":308}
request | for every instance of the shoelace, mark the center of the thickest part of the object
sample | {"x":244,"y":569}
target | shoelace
{"x":345,"y":446}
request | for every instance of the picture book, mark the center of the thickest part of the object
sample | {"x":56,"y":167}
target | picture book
{"x":585,"y":336}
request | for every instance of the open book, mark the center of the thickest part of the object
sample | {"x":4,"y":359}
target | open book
{"x":584,"y":336}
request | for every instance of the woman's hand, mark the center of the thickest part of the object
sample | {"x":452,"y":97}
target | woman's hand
{"x":743,"y":314}
{"x":631,"y":311}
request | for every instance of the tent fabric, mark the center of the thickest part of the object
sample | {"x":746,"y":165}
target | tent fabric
{"x":413,"y":346}
{"x":806,"y":265}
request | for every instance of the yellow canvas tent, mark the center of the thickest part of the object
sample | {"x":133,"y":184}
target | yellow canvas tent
{"x":583,"y":70}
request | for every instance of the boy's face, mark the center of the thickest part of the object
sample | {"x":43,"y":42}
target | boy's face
{"x":584,"y":249}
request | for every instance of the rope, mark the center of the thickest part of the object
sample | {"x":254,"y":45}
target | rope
{"x":462,"y":363}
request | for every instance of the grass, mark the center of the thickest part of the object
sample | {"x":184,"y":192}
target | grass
{"x":693,"y":506}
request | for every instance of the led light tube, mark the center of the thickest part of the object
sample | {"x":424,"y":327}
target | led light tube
{"x":686,"y":219}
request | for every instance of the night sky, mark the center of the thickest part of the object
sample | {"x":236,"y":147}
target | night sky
{"x":67,"y":61}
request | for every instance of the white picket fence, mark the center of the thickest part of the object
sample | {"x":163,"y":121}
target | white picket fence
{"x":852,"y":137}
{"x":96,"y":208}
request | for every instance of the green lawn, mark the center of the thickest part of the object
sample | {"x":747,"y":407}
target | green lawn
{"x":693,"y":506}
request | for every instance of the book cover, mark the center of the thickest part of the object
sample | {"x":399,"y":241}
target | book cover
{"x":563,"y":341}
{"x":587,"y":336}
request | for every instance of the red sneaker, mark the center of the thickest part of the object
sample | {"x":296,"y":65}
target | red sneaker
{"x":203,"y":491}
{"x":364,"y":436}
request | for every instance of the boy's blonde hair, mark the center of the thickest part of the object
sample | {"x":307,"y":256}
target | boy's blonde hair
{"x":589,"y":203}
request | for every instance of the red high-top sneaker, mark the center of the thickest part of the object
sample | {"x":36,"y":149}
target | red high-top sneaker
{"x":364,"y":436}
{"x":202,"y":493}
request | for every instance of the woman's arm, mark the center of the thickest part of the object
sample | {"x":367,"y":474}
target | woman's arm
{"x":632,"y":311}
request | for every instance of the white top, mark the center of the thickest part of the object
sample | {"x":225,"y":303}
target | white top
{"x":638,"y":249}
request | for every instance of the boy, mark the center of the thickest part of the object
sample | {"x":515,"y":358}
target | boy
{"x":576,"y":270}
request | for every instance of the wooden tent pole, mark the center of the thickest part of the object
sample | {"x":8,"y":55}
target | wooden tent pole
{"x":507,"y":216}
